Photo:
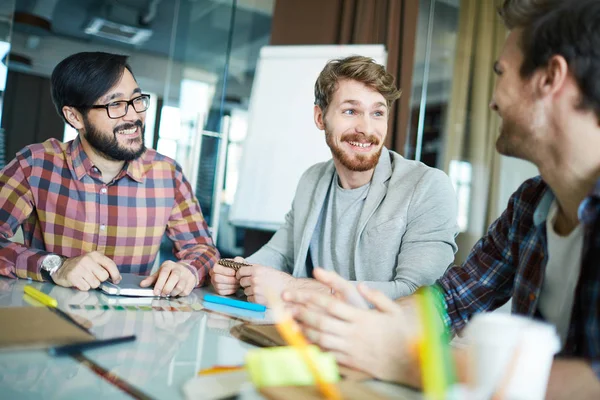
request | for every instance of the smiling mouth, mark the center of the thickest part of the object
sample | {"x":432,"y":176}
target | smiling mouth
{"x":359,"y":144}
{"x":128,"y":132}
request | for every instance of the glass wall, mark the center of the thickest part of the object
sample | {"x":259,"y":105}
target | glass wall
{"x":6,"y":12}
{"x":452,"y":126}
{"x":435,"y":56}
{"x":195,"y":57}
{"x":435,"y":51}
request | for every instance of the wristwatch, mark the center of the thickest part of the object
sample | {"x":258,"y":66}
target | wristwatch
{"x":51,"y":263}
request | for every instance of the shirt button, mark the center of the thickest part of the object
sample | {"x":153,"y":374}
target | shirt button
{"x":532,"y":297}
{"x":102,"y":227}
{"x":103,"y":190}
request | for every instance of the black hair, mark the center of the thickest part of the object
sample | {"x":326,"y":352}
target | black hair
{"x":570,"y":29}
{"x":82,"y":78}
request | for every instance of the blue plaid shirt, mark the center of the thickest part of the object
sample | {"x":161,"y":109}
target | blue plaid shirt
{"x":510,"y":261}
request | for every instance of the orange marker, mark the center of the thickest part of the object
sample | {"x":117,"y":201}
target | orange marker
{"x":219,"y":369}
{"x":291,"y":333}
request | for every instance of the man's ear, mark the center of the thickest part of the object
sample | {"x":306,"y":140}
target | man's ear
{"x":73,"y":116}
{"x":319,"y":118}
{"x":554,"y":76}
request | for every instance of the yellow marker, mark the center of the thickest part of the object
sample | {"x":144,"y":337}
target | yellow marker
{"x":41,"y":297}
{"x":291,"y":333}
{"x":31,"y":301}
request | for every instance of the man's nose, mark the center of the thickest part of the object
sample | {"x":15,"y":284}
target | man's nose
{"x":493,"y":105}
{"x":131,"y":114}
{"x":364,"y":124}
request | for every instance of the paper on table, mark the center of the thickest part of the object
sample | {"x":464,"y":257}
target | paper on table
{"x":37,"y":327}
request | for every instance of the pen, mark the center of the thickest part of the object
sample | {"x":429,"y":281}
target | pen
{"x":79,"y":347}
{"x":41,"y":297}
{"x":290,"y":331}
{"x":234,"y":303}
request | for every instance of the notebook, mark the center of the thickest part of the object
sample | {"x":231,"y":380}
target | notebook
{"x":38,"y":327}
{"x":129,"y":286}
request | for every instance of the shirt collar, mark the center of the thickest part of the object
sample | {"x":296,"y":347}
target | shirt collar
{"x":543,"y":208}
{"x":541,"y":212}
{"x":383,"y":169}
{"x":82,"y":165}
{"x":135,"y":169}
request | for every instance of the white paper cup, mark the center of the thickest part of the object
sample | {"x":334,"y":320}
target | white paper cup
{"x":510,"y":353}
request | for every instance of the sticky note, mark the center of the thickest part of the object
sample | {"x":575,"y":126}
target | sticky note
{"x":284,"y":366}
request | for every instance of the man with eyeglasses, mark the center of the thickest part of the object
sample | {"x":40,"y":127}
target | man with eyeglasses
{"x":100,"y":204}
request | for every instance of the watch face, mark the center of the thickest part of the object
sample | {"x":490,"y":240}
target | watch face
{"x":52,"y":261}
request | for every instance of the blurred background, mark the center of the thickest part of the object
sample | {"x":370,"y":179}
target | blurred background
{"x":197,"y":59}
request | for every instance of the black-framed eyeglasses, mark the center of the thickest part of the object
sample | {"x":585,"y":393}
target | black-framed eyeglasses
{"x":118,"y":109}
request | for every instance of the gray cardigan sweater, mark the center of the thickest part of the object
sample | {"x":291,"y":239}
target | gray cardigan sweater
{"x":406,"y":228}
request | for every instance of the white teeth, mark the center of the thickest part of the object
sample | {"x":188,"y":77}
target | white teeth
{"x":363,"y":145}
{"x":128,"y":131}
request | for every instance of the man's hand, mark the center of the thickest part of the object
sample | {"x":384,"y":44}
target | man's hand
{"x":340,"y":287}
{"x":258,"y":279}
{"x":224,"y":279}
{"x":86,"y":271}
{"x":171,"y":279}
{"x":375,"y":341}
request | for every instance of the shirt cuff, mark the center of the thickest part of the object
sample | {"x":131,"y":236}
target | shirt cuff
{"x":193,"y":270}
{"x":32,"y":265}
{"x":443,"y":309}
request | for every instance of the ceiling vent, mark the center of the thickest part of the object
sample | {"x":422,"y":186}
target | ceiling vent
{"x":116,"y":31}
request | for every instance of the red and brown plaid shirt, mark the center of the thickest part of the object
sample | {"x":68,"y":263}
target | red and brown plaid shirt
{"x":56,"y":194}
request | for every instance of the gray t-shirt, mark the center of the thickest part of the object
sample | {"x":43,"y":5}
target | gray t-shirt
{"x":336,"y":229}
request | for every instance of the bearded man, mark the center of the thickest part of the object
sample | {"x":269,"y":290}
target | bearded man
{"x":100,"y":204}
{"x":368,"y":214}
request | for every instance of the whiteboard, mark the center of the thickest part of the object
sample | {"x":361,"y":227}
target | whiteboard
{"x":282,"y":140}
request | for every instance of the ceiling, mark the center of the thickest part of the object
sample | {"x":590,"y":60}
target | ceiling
{"x":191,"y":34}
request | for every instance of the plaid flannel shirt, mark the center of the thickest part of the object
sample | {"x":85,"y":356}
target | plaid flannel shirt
{"x":510,"y":261}
{"x":56,"y":194}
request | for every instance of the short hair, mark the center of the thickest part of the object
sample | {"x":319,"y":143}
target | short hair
{"x":568,"y":28}
{"x":82,"y":78}
{"x":358,"y":68}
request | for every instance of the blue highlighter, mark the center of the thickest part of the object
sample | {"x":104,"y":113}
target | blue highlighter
{"x":234,"y":303}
